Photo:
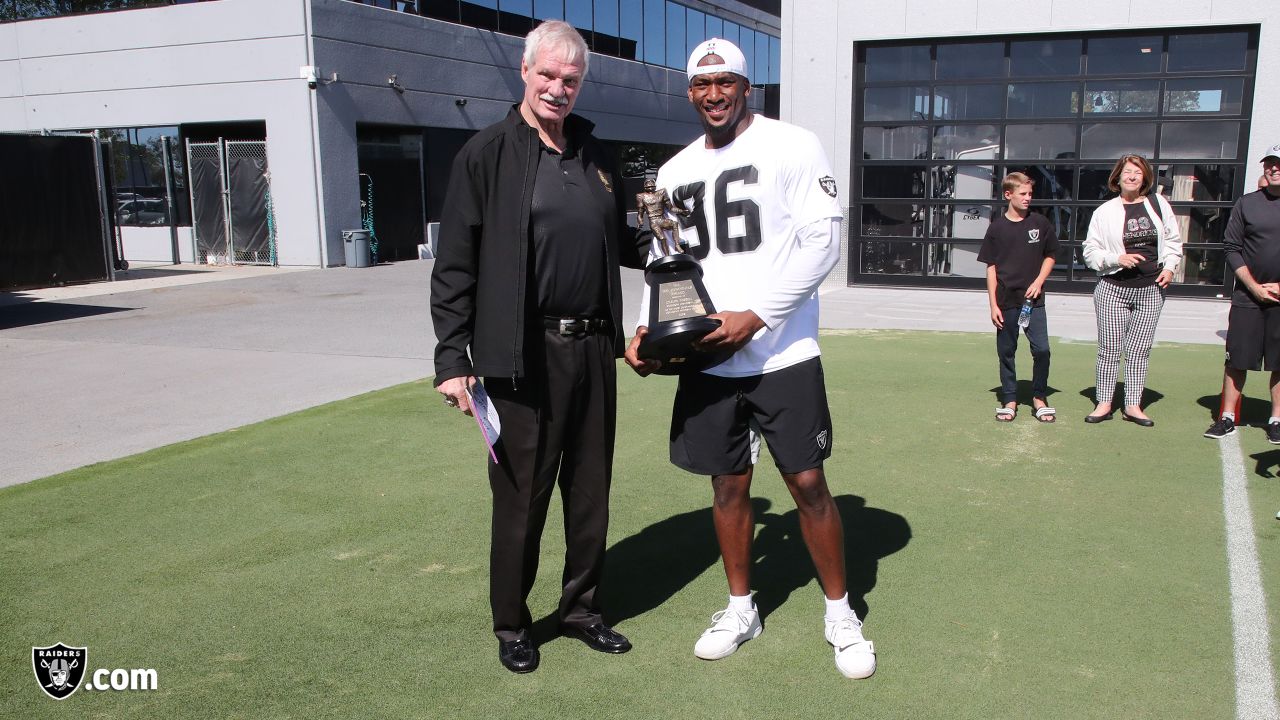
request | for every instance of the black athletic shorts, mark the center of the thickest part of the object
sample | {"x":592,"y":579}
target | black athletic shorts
{"x":1253,"y":334}
{"x":713,"y":416}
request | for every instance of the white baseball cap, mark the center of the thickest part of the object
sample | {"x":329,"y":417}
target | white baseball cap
{"x":731,"y":59}
{"x":1272,"y":152}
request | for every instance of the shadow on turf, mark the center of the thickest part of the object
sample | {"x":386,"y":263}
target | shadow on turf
{"x":1253,"y":410}
{"x":1149,"y":397}
{"x":648,"y":568}
{"x":1265,"y":462}
{"x":1024,"y":392}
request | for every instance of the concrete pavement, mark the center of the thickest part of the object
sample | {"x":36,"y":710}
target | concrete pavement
{"x":166,"y":354}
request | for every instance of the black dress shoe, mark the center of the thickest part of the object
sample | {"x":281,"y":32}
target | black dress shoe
{"x":518,"y":656}
{"x":599,"y":637}
{"x":1143,"y":422}
{"x":1099,"y":418}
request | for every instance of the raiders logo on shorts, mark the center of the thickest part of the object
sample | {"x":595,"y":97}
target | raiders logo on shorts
{"x":828,"y":184}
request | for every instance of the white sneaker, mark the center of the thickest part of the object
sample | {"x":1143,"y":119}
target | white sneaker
{"x":855,"y":655}
{"x":729,"y":629}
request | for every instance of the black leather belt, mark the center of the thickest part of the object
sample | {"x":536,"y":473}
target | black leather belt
{"x":576,"y":326}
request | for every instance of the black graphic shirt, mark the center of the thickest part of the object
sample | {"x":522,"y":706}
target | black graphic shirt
{"x":1018,"y":250}
{"x":1141,"y":237}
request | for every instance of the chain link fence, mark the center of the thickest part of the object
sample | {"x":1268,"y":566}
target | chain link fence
{"x":232,"y":213}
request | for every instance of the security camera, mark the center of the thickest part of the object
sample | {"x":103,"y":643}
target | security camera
{"x":310,"y":73}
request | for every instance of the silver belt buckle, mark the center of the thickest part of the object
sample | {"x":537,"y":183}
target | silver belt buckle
{"x":568,"y":326}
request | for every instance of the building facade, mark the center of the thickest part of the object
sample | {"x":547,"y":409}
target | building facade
{"x":290,"y":121}
{"x":925,"y":105}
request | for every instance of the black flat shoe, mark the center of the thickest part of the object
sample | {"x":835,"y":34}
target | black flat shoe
{"x":518,"y":656}
{"x":1099,"y":418}
{"x":1142,"y":422}
{"x":598,"y":637}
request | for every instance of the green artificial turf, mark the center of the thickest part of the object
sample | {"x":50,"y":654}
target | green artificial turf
{"x":333,"y":563}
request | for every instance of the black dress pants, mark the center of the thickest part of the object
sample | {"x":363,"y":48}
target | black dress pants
{"x":558,"y":426}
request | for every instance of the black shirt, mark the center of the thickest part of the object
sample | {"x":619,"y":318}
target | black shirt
{"x":1018,"y":250}
{"x":1252,"y":239}
{"x":568,"y":239}
{"x":1141,"y":237}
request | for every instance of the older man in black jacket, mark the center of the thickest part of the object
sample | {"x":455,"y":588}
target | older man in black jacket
{"x":526,"y":294}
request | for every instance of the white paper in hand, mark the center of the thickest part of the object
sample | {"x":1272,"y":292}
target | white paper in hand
{"x":486,"y":416}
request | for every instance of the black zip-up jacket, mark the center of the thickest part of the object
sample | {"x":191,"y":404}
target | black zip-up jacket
{"x":483,"y":295}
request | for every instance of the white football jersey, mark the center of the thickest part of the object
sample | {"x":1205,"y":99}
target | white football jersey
{"x":749,"y":200}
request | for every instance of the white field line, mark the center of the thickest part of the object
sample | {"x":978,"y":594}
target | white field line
{"x":1255,"y":683}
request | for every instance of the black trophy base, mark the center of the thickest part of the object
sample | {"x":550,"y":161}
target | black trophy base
{"x":672,"y":343}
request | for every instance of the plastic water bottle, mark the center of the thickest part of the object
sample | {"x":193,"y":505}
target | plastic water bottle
{"x":1024,"y":315}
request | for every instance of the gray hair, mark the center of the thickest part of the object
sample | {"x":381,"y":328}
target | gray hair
{"x":559,"y":35}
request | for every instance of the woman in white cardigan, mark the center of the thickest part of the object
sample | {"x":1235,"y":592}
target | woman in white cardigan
{"x":1134,"y":245}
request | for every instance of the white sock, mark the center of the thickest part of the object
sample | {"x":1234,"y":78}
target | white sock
{"x":1229,"y":415}
{"x":1273,"y":419}
{"x":741,"y":603}
{"x":837,"y":609}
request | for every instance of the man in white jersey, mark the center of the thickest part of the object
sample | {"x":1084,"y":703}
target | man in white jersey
{"x":764,"y":222}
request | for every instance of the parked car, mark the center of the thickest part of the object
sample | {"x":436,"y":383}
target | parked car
{"x":142,"y":212}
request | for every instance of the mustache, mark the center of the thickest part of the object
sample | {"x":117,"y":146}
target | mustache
{"x":548,"y":97}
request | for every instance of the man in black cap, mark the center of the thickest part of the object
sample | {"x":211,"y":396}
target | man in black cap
{"x":1252,"y":242}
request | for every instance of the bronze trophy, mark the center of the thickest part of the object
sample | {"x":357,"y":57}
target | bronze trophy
{"x":678,"y":301}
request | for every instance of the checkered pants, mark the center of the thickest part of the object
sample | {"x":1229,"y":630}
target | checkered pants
{"x":1127,"y":320}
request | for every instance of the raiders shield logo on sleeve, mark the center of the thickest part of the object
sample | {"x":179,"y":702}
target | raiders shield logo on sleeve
{"x":828,"y":184}
{"x":59,"y":669}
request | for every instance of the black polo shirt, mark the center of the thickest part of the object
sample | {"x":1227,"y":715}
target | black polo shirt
{"x":568,"y":238}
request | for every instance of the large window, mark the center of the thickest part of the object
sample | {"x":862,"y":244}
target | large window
{"x":141,"y":179}
{"x":938,"y":123}
{"x":659,"y":32}
{"x":33,"y":9}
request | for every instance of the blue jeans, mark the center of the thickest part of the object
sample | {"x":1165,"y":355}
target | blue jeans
{"x":1007,"y":348}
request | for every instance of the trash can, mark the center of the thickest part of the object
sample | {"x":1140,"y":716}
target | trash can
{"x":355,"y":243}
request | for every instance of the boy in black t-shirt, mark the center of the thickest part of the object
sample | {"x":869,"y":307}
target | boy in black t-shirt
{"x":1019,"y":250}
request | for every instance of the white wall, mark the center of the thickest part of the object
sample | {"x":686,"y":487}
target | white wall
{"x":230,"y":60}
{"x":819,"y":36}
{"x":235,"y":60}
{"x":153,"y":244}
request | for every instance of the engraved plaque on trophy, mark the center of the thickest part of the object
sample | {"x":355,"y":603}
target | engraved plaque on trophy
{"x":678,"y":310}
